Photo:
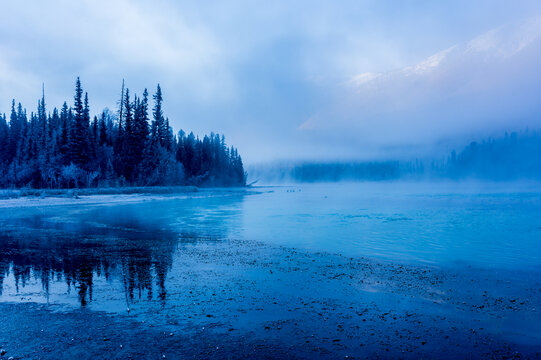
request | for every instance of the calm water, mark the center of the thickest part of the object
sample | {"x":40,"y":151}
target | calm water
{"x":485,"y":225}
{"x":67,"y":254}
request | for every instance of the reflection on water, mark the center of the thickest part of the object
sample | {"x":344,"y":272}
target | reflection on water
{"x":132,"y":244}
{"x":139,"y":255}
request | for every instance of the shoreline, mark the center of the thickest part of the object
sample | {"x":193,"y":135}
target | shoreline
{"x":276,"y":302}
{"x":102,"y":196}
{"x":76,"y":282}
{"x":43,"y":193}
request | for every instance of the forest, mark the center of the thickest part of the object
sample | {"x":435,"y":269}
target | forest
{"x":512,"y":156}
{"x":67,"y":149}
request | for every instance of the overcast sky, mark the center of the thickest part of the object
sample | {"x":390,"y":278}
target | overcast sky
{"x":288,"y":79}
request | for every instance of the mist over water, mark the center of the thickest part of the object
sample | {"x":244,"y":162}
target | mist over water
{"x":507,"y":157}
{"x":477,"y":223}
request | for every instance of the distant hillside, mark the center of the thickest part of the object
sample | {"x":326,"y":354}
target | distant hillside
{"x":510,"y":157}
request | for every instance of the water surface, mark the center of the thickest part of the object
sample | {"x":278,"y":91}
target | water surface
{"x":495,"y":225}
{"x":136,"y":252}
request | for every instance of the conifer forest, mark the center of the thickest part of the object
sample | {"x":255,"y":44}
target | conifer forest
{"x":136,"y":146}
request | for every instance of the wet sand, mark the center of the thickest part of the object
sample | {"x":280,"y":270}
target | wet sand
{"x":246,"y":299}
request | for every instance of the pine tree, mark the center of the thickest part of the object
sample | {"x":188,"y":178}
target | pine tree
{"x":128,"y":141}
{"x":4,"y":139}
{"x":158,"y":117}
{"x":103,"y":138}
{"x":64,"y":139}
{"x":15,"y":129}
{"x":140,"y":131}
{"x":42,"y":123}
{"x":79,"y":137}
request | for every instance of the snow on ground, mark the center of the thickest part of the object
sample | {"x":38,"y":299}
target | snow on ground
{"x":83,"y":200}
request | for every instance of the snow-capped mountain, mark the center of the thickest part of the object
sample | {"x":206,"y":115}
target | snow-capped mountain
{"x":491,"y":83}
{"x":495,"y":53}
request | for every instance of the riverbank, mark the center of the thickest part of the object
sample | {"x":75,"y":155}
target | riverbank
{"x":326,"y":272}
{"x":44,"y":193}
{"x":32,"y":331}
{"x":240,"y":299}
{"x":21,"y":198}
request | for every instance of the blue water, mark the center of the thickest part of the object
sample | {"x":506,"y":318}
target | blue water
{"x":480,"y":224}
{"x":103,"y":254}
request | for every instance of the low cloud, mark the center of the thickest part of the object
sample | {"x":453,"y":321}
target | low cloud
{"x":489,"y":83}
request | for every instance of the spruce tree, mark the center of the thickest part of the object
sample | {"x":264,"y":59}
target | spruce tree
{"x":4,"y":140}
{"x":64,"y":138}
{"x":158,"y":117}
{"x":79,"y":142}
{"x":15,"y":128}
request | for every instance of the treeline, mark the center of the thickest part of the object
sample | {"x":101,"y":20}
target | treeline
{"x":65,"y":148}
{"x":385,"y":170}
{"x":307,"y":172}
{"x":510,"y":157}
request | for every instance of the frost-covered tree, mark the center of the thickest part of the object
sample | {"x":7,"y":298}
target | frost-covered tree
{"x":65,"y":149}
{"x":79,"y":134}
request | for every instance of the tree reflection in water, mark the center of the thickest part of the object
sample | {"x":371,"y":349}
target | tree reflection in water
{"x":129,"y":243}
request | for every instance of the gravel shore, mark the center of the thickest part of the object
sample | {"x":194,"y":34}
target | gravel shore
{"x":245,"y":299}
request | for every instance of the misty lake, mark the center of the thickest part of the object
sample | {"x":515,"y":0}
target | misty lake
{"x":273,"y":262}
{"x":481,"y":224}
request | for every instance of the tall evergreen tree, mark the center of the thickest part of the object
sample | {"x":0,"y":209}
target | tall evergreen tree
{"x":158,"y":117}
{"x":103,"y":136}
{"x":4,"y":140}
{"x":128,"y":141}
{"x":79,"y":137}
{"x":15,"y":129}
{"x":64,"y":138}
